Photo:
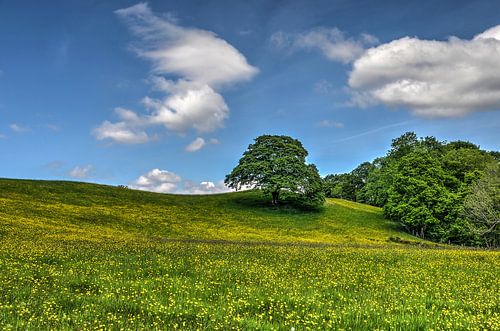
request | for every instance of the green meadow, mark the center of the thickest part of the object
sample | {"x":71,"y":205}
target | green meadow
{"x":94,"y":257}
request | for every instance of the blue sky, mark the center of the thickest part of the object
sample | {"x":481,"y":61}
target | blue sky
{"x":167,"y":95}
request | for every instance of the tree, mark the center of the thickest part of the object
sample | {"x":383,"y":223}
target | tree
{"x":341,"y":186}
{"x":419,"y":198}
{"x":277,"y":165}
{"x":482,"y":207}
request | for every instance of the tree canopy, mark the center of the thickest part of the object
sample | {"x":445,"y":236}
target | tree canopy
{"x":446,"y":192}
{"x":277,"y":165}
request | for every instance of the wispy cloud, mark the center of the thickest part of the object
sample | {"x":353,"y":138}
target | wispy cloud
{"x":204,"y":63}
{"x":330,"y":124}
{"x":331,"y":42}
{"x":195,"y":145}
{"x":82,"y":172}
{"x":53,"y":127}
{"x":19,"y":128}
{"x":54,"y":165}
{"x":199,"y":143}
{"x":369,"y":132}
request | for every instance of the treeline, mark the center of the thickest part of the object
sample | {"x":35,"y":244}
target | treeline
{"x":441,"y":191}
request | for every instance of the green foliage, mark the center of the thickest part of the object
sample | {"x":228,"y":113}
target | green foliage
{"x":375,"y":192}
{"x":424,"y":184}
{"x":346,"y":186}
{"x":340,"y":186}
{"x":277,"y":165}
{"x":419,"y":198}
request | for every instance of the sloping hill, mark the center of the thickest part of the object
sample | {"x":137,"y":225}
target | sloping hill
{"x":76,"y":256}
{"x":89,"y":211}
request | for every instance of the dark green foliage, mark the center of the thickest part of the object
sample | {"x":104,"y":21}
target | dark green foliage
{"x":437,"y":190}
{"x":340,"y":186}
{"x":346,"y":186}
{"x":419,"y":198}
{"x":277,"y":165}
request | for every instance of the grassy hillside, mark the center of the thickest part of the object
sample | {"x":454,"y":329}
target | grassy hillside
{"x":89,"y":211}
{"x":84,"y":256}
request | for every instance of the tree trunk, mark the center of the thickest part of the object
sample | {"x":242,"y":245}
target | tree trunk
{"x":275,"y":195}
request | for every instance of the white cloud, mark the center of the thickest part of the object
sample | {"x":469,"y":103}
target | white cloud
{"x":330,"y":124}
{"x":195,"y":145}
{"x":202,"y":63}
{"x":431,"y":78}
{"x":19,"y":128}
{"x":120,"y":132}
{"x":205,"y":187}
{"x":195,"y":54}
{"x":332,"y":42}
{"x":189,"y":106}
{"x":163,"y":181}
{"x":81,"y":172}
{"x":199,"y":143}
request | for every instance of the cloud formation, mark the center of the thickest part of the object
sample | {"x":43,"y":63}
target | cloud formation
{"x":199,"y":143}
{"x":198,"y":64}
{"x":81,"y":172}
{"x":195,"y":145}
{"x":163,"y":181}
{"x":431,"y":78}
{"x":332,"y":42}
{"x":127,"y":131}
{"x":205,"y":187}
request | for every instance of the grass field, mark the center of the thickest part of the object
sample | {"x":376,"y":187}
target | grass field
{"x":84,"y":256}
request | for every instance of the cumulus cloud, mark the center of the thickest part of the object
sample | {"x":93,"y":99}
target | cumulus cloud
{"x":201,"y":64}
{"x":332,"y":42}
{"x":432,"y":78}
{"x":81,"y":172}
{"x":19,"y":128}
{"x":163,"y":181}
{"x":189,"y":105}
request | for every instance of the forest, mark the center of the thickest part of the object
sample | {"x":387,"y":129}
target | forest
{"x":442,"y":191}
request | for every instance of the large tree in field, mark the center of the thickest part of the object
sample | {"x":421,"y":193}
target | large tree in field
{"x":277,"y":165}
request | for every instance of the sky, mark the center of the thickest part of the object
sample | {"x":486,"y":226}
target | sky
{"x":165,"y":96}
